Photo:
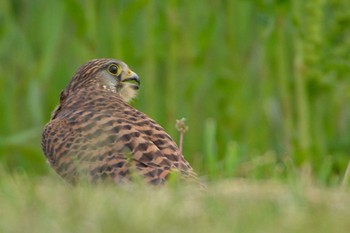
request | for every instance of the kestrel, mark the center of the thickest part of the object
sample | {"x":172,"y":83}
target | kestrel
{"x":94,"y":134}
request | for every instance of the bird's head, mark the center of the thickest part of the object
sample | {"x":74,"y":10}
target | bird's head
{"x":107,"y":74}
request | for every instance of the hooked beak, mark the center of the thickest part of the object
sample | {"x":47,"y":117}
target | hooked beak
{"x":132,"y":78}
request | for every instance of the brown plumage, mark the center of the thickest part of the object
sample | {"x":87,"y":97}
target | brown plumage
{"x":94,"y":134}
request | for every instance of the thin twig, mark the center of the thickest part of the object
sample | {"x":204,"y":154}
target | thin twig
{"x":181,"y":141}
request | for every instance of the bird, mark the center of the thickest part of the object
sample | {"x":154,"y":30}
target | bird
{"x":94,"y":134}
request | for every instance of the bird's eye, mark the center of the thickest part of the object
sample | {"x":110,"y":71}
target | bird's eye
{"x":113,"y":69}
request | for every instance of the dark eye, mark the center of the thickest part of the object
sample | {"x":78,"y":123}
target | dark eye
{"x":113,"y":69}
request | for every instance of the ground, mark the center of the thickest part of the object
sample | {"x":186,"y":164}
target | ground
{"x":47,"y":204}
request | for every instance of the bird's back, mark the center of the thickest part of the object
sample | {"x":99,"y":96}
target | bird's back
{"x":95,"y":135}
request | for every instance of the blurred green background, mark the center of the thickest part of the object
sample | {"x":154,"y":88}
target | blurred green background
{"x":263,"y":84}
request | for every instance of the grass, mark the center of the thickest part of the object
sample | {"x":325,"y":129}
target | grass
{"x":264,"y":86}
{"x":46,"y":204}
{"x":251,"y":77}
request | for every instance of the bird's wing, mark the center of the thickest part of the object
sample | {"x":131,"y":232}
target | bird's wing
{"x":57,"y":144}
{"x":147,"y":147}
{"x":105,"y":147}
